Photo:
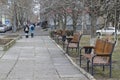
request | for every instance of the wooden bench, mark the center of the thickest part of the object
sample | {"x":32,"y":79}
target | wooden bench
{"x":101,"y":56}
{"x":57,"y":35}
{"x":74,"y":42}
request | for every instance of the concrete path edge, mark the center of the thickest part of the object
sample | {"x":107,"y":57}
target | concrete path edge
{"x":88,"y":75}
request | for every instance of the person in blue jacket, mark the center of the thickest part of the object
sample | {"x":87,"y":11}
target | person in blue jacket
{"x":32,"y":28}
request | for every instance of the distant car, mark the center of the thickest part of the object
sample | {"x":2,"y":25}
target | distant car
{"x":9,"y":28}
{"x":107,"y":30}
{"x":3,"y":28}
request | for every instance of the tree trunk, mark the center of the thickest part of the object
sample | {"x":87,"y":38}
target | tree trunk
{"x":59,"y":21}
{"x":15,"y":17}
{"x":93,"y":26}
{"x":65,"y":22}
{"x":55,"y":21}
{"x":74,"y":25}
{"x":93,"y":29}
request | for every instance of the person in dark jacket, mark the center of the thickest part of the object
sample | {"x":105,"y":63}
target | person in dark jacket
{"x":26,"y":30}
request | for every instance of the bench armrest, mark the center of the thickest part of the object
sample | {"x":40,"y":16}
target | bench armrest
{"x":73,"y":42}
{"x":103,"y":54}
{"x":88,"y":49}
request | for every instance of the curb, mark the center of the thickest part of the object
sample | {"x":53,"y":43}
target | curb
{"x":88,"y":75}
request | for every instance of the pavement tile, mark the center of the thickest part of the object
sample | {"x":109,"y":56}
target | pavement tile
{"x":37,"y":58}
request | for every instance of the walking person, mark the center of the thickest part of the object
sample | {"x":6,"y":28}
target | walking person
{"x":32,"y":27}
{"x":26,"y":30}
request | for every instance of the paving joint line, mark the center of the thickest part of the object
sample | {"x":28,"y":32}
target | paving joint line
{"x":88,"y":75}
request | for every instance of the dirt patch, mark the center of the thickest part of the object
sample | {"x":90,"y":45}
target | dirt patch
{"x":4,"y":41}
{"x":11,"y":36}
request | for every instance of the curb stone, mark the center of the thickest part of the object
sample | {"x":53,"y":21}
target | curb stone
{"x":89,"y":76}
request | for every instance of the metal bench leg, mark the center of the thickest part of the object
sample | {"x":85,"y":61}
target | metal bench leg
{"x":63,"y":45}
{"x":88,"y":65}
{"x":80,"y":60}
{"x":80,"y":56}
{"x":103,"y":68}
{"x":78,"y":51}
{"x":110,"y":71}
{"x":67,"y":51}
{"x":92,"y":70}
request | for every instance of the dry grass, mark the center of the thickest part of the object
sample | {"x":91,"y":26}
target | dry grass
{"x":4,"y":41}
{"x":99,"y":74}
{"x":104,"y":75}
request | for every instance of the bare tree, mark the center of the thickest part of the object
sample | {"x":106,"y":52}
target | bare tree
{"x":60,"y":9}
{"x":20,"y":11}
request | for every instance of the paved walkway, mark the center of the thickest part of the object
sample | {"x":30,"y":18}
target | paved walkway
{"x":37,"y":58}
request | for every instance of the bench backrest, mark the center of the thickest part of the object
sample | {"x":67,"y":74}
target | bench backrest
{"x":63,"y":33}
{"x":76,"y":37}
{"x":99,"y":46}
{"x":104,"y":48}
{"x":109,"y":46}
{"x":108,"y":50}
{"x":58,"y":32}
